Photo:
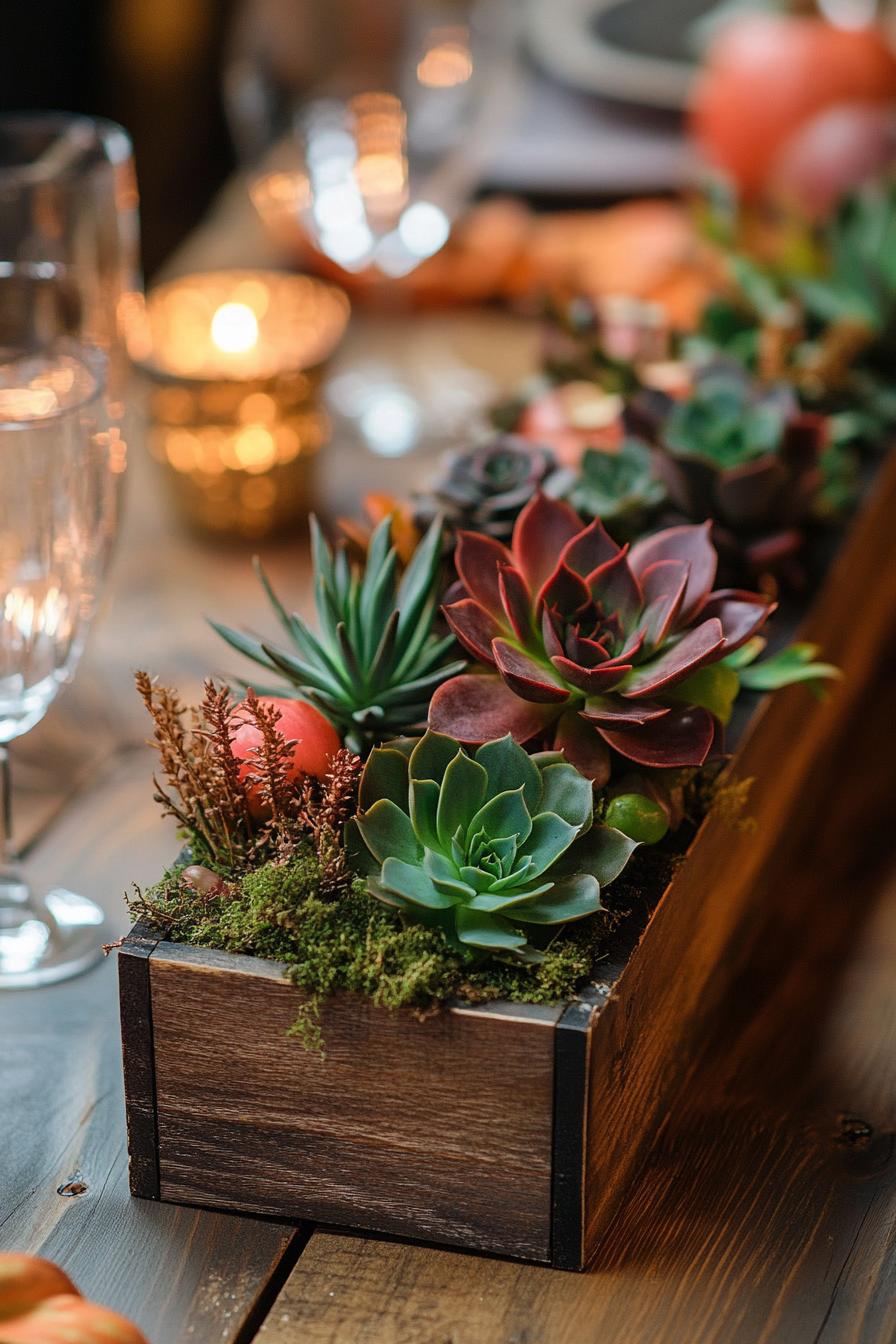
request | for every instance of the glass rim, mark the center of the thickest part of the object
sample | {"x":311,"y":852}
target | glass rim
{"x":104,"y":133}
{"x":93,"y":361}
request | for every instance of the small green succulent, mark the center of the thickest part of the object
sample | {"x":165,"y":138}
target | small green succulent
{"x":486,"y":846}
{"x":618,"y":487}
{"x":728,"y":419}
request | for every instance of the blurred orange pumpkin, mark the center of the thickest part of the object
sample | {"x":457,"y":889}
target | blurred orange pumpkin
{"x":40,"y":1305}
{"x":766,"y":77}
{"x":499,"y":249}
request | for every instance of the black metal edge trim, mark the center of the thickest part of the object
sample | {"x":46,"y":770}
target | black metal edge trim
{"x":138,"y":1061}
{"x":570,"y":1098}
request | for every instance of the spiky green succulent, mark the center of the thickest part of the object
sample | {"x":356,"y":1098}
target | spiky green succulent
{"x":621,"y":487}
{"x":858,"y":282}
{"x":827,"y":307}
{"x":376,"y":660}
{"x":490,"y":846}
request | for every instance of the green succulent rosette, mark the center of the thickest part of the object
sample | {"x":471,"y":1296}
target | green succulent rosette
{"x":621,"y":488}
{"x":490,"y":846}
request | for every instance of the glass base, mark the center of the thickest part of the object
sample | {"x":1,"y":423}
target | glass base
{"x":44,"y":941}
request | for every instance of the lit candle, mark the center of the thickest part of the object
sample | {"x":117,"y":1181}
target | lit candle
{"x":239,"y":326}
{"x":235,"y":359}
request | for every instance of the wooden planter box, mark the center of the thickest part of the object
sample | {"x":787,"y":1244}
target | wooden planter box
{"x":510,"y":1128}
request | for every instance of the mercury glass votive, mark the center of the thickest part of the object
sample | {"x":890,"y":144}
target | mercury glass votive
{"x":235,"y":360}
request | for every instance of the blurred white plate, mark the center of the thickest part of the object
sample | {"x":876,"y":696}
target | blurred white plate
{"x":638,"y":51}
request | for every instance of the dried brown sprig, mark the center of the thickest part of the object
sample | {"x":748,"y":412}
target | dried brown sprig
{"x":268,"y":775}
{"x":236,"y":817}
{"x":202,"y":789}
{"x":324,"y":809}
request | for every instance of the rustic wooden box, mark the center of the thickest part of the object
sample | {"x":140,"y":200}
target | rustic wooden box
{"x":508,"y":1128}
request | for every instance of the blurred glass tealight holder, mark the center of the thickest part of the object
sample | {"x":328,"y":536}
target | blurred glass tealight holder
{"x":235,"y":361}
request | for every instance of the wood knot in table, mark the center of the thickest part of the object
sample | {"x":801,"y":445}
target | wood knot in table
{"x":75,"y":1185}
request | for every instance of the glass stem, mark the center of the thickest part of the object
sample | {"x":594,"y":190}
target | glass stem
{"x":5,"y":808}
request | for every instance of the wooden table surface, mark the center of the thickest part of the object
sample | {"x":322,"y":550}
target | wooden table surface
{"x":745,"y":1225}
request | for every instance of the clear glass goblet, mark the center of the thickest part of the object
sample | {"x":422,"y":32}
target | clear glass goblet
{"x":66,"y":268}
{"x":370,"y":125}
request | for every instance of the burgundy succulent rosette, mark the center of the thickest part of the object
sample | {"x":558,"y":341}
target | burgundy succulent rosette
{"x":744,"y":454}
{"x":760,"y":507}
{"x":594,"y":648}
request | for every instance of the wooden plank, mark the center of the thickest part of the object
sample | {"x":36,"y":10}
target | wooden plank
{"x":742,"y":1234}
{"x":183,"y":1275}
{"x":438,"y":1128}
{"x":754,"y":925}
{"x":750,"y":1222}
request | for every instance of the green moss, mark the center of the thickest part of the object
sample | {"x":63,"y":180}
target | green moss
{"x":306,"y":1028}
{"x":358,"y":944}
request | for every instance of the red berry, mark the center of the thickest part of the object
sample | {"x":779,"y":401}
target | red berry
{"x":316,"y":740}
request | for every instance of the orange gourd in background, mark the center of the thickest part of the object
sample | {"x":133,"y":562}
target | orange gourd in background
{"x":40,"y":1305}
{"x":772,"y":81}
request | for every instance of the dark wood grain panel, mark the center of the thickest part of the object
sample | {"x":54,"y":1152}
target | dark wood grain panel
{"x":438,"y":1128}
{"x":754,"y":930}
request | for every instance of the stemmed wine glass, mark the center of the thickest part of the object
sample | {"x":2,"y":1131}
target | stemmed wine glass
{"x":374,"y":121}
{"x":67,"y":271}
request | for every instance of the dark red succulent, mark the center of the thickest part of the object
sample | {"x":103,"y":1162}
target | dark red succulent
{"x":594,"y":647}
{"x":746,"y":455}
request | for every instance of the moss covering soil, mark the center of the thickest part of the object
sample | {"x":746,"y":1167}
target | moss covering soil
{"x":354,"y":942}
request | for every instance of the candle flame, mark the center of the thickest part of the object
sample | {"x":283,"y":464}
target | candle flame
{"x":234,"y":328}
{"x":231,"y":326}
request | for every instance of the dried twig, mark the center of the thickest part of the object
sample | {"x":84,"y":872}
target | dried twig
{"x":201,"y":783}
{"x":269,"y":774}
{"x":324,"y":810}
{"x":238,"y":813}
